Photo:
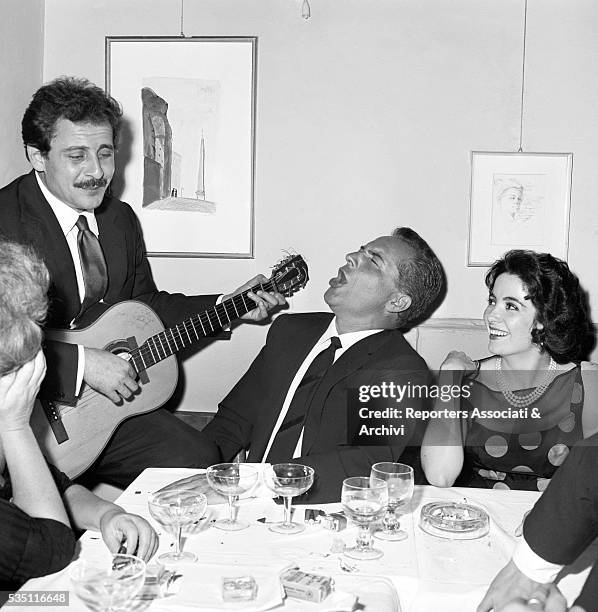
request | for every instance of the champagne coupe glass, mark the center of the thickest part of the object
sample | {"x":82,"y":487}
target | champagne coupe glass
{"x":288,"y":480}
{"x":174,"y":510}
{"x":399,"y":478}
{"x":231,"y":479}
{"x":108,"y":584}
{"x":364,"y":500}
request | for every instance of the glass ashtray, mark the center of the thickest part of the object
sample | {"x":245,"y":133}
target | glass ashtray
{"x":454,"y":520}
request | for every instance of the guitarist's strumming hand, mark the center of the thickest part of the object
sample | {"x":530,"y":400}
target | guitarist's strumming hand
{"x":109,"y":375}
{"x":264,"y":300}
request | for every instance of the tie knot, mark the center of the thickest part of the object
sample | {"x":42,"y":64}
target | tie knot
{"x":82,"y":223}
{"x":335,"y":342}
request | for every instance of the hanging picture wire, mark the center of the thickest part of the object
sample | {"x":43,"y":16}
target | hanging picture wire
{"x":523,"y":77}
{"x":518,"y":200}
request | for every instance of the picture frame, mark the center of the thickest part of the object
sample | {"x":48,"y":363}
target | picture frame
{"x":186,"y":155}
{"x":518,"y":201}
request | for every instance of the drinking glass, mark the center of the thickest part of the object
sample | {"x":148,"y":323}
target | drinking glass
{"x":231,"y":479}
{"x":108,"y":584}
{"x":399,"y":478}
{"x":364,"y":500}
{"x":288,"y":480}
{"x":174,"y":510}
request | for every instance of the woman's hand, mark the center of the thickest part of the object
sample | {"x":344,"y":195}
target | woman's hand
{"x":18,"y":391}
{"x":458,"y":360}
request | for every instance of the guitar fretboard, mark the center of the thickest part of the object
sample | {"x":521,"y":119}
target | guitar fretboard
{"x":199,"y":326}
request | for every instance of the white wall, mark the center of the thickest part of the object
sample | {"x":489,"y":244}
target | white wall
{"x":21,"y":57}
{"x":366,"y":118}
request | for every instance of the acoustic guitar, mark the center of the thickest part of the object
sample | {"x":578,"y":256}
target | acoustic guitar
{"x":72,"y":436}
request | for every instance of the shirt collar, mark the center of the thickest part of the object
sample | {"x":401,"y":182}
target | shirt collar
{"x":348,"y":339}
{"x":67,"y":216}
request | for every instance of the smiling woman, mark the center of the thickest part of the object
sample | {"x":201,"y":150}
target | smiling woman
{"x":538,"y":332}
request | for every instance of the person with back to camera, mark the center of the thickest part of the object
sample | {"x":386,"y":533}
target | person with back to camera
{"x":38,"y":503}
{"x":541,"y":396}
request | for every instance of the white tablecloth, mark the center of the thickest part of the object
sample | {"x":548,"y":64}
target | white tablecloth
{"x":429,"y":573}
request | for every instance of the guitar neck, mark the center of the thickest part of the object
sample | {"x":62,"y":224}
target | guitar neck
{"x":199,"y":326}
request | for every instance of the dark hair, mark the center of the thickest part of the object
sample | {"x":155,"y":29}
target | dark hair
{"x":421,"y":277}
{"x":77,"y":100}
{"x":24,"y":281}
{"x":561,"y":304}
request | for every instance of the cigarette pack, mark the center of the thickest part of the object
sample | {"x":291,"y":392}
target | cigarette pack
{"x":334,"y":521}
{"x":306,"y":586}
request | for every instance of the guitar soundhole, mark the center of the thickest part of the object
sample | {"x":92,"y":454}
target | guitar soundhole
{"x":120,"y":348}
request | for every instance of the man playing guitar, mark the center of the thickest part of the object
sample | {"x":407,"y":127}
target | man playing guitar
{"x":93,"y":247}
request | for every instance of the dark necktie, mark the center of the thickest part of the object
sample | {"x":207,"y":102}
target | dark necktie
{"x":287,"y":437}
{"x":95,"y":274}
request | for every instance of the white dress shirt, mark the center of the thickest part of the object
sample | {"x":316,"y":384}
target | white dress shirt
{"x":532,"y":565}
{"x":347,"y":341}
{"x":67,"y":219}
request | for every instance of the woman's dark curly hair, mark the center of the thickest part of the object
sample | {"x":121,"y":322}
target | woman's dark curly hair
{"x":560,"y":302}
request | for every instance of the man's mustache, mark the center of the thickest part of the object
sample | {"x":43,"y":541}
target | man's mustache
{"x":91,"y":183}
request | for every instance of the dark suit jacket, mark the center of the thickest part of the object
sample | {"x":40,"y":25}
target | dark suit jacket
{"x":246,"y":417}
{"x":564,"y":520}
{"x":26,"y":217}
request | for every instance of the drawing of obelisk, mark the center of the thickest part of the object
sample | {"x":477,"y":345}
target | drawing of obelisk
{"x":201,"y":173}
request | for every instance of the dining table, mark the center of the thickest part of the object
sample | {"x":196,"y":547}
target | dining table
{"x":421,"y":573}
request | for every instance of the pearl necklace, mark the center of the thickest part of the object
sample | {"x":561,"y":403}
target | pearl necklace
{"x":522,"y":401}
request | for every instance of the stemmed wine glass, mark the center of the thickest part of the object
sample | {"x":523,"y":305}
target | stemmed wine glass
{"x":399,"y":478}
{"x":108,"y":584}
{"x":174,"y":510}
{"x":231,"y":479}
{"x":288,"y":480}
{"x":364,"y":499}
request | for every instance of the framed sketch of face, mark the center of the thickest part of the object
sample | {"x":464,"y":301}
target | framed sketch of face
{"x":518,"y":201}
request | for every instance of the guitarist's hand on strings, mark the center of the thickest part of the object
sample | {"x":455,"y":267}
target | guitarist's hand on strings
{"x":109,"y":375}
{"x":264,"y":300}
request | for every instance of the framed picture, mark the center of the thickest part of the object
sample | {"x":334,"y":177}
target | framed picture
{"x":518,"y":201}
{"x":187,"y":147}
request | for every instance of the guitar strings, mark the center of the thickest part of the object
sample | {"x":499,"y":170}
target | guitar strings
{"x":145,"y":352}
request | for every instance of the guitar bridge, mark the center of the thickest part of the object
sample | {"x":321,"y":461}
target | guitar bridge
{"x":55,"y":420}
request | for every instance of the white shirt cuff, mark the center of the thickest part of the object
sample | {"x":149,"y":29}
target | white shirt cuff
{"x":532,"y":565}
{"x":80,"y":368}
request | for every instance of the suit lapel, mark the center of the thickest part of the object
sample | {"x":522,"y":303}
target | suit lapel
{"x":349,"y":362}
{"x":45,"y":234}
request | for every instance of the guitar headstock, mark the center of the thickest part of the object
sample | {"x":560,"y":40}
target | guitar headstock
{"x":290,"y":275}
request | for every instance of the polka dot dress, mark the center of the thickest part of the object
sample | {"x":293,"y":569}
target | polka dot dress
{"x":524,"y":449}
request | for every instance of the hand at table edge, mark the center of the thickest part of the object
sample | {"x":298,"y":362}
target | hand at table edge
{"x":510,"y":584}
{"x":198,"y":483}
{"x":118,"y":526}
{"x":545,"y":597}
